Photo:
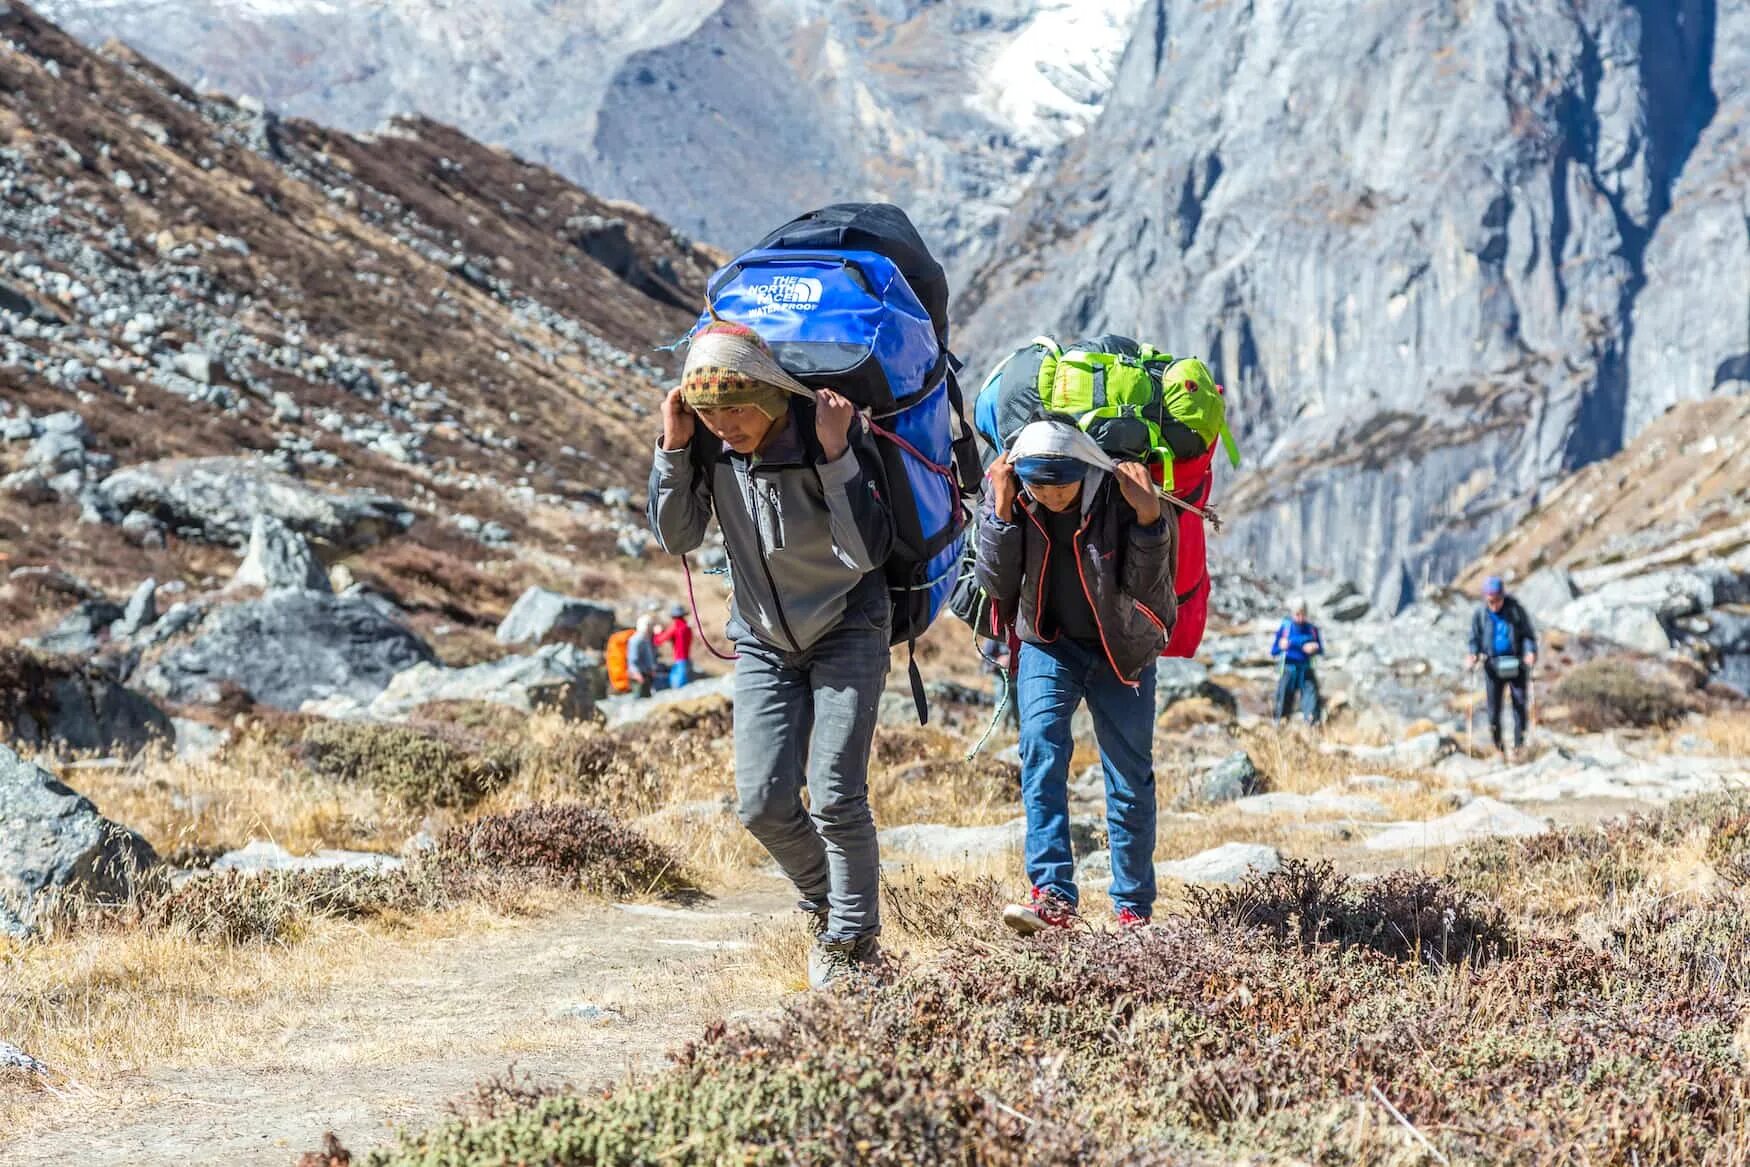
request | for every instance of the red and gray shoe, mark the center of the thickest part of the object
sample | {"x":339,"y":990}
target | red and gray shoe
{"x":1042,"y":910}
{"x":1130,"y":918}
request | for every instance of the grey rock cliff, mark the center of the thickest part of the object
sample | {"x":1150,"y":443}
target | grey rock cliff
{"x":1435,"y":260}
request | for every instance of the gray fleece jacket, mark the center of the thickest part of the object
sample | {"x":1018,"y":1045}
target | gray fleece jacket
{"x":807,"y":538}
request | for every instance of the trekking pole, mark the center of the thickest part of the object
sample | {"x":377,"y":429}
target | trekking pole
{"x":1470,"y":728}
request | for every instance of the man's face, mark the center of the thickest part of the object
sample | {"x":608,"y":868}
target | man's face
{"x":741,"y":427}
{"x":1494,"y":600}
{"x":1056,"y":499}
{"x":1298,"y":615}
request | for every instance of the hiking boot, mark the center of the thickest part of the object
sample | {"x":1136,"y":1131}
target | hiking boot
{"x":818,"y":917}
{"x":833,"y":962}
{"x":1130,"y":918}
{"x":1042,"y":910}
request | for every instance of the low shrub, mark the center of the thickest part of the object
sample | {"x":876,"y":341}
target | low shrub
{"x":565,"y":845}
{"x":1193,"y":1041}
{"x":1405,"y":915}
{"x":421,"y":768}
{"x":1612,"y":693}
{"x":936,"y":909}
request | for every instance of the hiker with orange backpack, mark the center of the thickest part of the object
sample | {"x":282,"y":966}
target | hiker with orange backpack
{"x":641,"y":664}
{"x":1077,"y":556}
{"x":796,"y":485}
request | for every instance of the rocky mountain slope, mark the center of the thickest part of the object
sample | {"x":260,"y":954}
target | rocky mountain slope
{"x":723,"y":116}
{"x":1440,"y":261}
{"x":402,"y":361}
{"x":1650,"y":548}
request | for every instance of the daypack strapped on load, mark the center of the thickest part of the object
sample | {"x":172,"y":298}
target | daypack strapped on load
{"x":850,"y":299}
{"x":616,"y":657}
{"x":1139,"y":403}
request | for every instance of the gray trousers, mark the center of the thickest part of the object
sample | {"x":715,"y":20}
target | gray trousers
{"x":810,"y":717}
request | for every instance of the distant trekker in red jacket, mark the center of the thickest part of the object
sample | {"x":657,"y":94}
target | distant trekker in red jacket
{"x":678,"y":635}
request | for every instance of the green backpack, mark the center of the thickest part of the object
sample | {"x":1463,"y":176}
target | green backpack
{"x":1137,"y":402}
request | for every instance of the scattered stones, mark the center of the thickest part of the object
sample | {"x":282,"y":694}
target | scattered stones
{"x":1177,"y":680}
{"x":627,"y":710}
{"x":54,"y":841}
{"x":55,"y":453}
{"x":558,"y":677}
{"x":1096,"y":865}
{"x":13,"y":1058}
{"x":540,"y":614}
{"x":1320,"y":805}
{"x":1422,"y":752}
{"x":286,"y":648}
{"x":196,"y":740}
{"x":1546,"y":590}
{"x":1228,"y":863}
{"x":29,"y":486}
{"x":51,"y":704}
{"x":940,"y":843}
{"x":143,"y":530}
{"x":1344,"y":603}
{"x":279,"y":557}
{"x":1235,"y":776}
{"x":194,"y":364}
{"x":217,"y":499}
{"x":592,"y":1013}
{"x":141,"y":610}
{"x":81,"y":632}
{"x":1482,"y":818}
{"x":260,"y":855}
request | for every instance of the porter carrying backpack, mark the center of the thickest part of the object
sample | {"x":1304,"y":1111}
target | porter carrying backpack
{"x":1140,"y":404}
{"x":850,"y":299}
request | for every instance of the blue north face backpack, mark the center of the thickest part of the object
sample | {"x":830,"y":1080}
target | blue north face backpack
{"x":850,"y":299}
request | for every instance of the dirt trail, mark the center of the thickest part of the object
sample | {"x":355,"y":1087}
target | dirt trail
{"x":391,"y":1052}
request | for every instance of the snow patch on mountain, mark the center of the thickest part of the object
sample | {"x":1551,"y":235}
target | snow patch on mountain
{"x":1049,"y":82}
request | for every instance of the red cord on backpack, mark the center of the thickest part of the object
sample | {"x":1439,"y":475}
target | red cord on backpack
{"x":693,"y":600}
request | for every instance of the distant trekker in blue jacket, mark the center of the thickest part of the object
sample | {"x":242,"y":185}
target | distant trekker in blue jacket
{"x":1297,"y":642}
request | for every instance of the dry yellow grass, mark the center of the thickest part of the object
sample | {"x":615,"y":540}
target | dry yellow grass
{"x":1729,"y":732}
{"x":251,"y":790}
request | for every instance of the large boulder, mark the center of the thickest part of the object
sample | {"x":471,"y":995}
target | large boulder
{"x":558,"y":677}
{"x":1343,"y":603}
{"x":279,"y":557}
{"x":1233,"y":777}
{"x":1481,"y":818}
{"x":287,"y":648}
{"x":217,"y":499}
{"x":53,"y":840}
{"x":58,"y":705}
{"x":539,"y":615}
{"x":1177,"y":679}
{"x":1228,"y":863}
{"x":81,"y":632}
{"x":1545,"y":591}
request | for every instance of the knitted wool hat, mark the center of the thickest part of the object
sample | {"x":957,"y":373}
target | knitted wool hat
{"x":728,"y":365}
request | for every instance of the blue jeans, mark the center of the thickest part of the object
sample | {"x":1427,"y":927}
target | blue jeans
{"x":680,"y":674}
{"x":1297,"y":680}
{"x":1052,"y":680}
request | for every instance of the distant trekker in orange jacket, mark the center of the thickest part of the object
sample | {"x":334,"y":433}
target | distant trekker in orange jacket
{"x":678,"y":635}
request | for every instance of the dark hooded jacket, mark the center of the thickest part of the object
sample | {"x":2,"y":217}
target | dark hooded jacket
{"x":1126,"y":571}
